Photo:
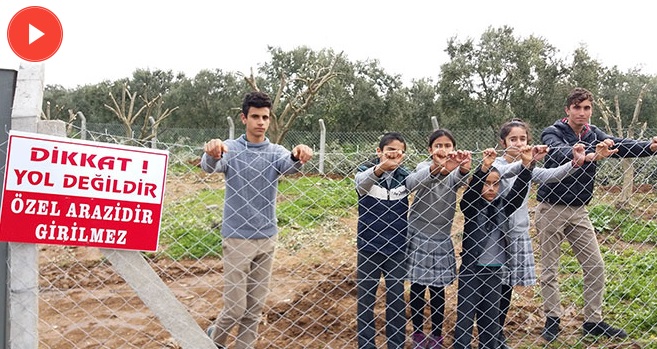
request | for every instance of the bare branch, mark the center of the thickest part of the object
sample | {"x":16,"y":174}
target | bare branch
{"x":116,"y":109}
{"x":251,"y":81}
{"x":617,"y":117}
{"x":279,"y":92}
{"x":605,"y":114}
{"x":637,"y":107}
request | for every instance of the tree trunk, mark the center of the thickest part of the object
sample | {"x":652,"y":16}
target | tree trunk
{"x":628,"y":183}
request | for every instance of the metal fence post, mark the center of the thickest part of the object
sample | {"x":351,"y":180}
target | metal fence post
{"x":83,"y":126}
{"x":322,"y":145}
{"x":231,"y":128}
{"x":434,"y":122}
{"x":153,"y":132}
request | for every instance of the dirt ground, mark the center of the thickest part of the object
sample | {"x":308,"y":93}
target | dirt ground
{"x":85,"y":304}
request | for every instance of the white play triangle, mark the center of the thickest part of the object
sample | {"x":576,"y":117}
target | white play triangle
{"x":34,"y":34}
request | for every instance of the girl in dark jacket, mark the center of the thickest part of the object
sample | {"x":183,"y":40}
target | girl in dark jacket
{"x":483,"y":254}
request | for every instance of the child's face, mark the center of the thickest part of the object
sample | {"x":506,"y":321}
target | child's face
{"x":516,"y":139}
{"x":491,"y":186}
{"x":441,"y":146}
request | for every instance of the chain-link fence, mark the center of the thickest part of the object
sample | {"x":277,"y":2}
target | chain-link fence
{"x":84,"y":303}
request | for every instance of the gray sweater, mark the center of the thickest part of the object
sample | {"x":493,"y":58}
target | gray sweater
{"x":251,"y":171}
{"x":519,"y":220}
{"x":432,"y":210}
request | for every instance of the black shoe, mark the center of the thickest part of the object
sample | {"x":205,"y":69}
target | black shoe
{"x":551,"y":329}
{"x":603,"y":328}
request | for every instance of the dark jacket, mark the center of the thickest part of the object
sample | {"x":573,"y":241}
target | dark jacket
{"x":383,"y":213}
{"x":481,"y":216}
{"x":577,"y":189}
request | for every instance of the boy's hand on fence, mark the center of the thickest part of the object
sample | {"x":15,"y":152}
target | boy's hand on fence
{"x":579,"y":154}
{"x":390,"y":160}
{"x":653,"y":144}
{"x":303,"y":153}
{"x":539,"y":152}
{"x":602,"y":150}
{"x":215,"y":148}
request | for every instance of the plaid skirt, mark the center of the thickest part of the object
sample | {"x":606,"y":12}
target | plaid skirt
{"x":520,"y":264}
{"x":431,"y":259}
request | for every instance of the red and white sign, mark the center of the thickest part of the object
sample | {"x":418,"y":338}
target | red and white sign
{"x":78,"y":193}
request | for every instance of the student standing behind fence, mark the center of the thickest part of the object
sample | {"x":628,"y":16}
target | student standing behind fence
{"x":381,"y":241}
{"x":432,"y":264}
{"x":514,"y":135}
{"x":483,"y":252}
{"x":251,"y":166}
{"x":562,"y":212}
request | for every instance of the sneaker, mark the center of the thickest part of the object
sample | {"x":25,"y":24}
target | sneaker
{"x":603,"y":328}
{"x":551,"y":329}
{"x":435,"y":342}
{"x":419,"y":340}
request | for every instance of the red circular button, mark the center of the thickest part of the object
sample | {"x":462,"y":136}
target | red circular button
{"x":35,"y":34}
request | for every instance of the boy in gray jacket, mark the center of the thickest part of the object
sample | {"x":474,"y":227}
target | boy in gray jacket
{"x":251,"y":166}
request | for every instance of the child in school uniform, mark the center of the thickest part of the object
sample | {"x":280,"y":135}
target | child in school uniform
{"x":520,"y":264}
{"x":381,"y":241}
{"x":483,"y":254}
{"x":432,"y":264}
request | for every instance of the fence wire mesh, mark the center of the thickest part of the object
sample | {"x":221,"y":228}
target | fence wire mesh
{"x":84,"y":303}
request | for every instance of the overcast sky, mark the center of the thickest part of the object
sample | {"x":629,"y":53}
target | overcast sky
{"x":110,"y":39}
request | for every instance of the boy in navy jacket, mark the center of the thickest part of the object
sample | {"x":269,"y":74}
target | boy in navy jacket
{"x":381,"y":241}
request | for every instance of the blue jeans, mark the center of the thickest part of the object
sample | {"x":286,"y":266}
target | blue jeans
{"x":371,"y":265}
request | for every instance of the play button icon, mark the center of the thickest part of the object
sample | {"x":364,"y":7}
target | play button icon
{"x":35,"y":34}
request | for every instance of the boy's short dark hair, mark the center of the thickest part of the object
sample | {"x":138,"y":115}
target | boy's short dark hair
{"x":255,"y":99}
{"x":578,"y":95}
{"x":388,"y":137}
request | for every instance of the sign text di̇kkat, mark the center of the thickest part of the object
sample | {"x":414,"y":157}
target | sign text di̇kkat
{"x":79,"y":193}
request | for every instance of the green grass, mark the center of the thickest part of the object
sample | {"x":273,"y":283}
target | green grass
{"x":631,"y":228}
{"x":630,"y":289}
{"x":191,"y":226}
{"x":305,"y":202}
{"x":179,"y":168}
{"x":630,"y":299}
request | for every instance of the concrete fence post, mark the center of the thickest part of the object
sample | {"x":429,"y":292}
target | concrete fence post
{"x":23,"y":262}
